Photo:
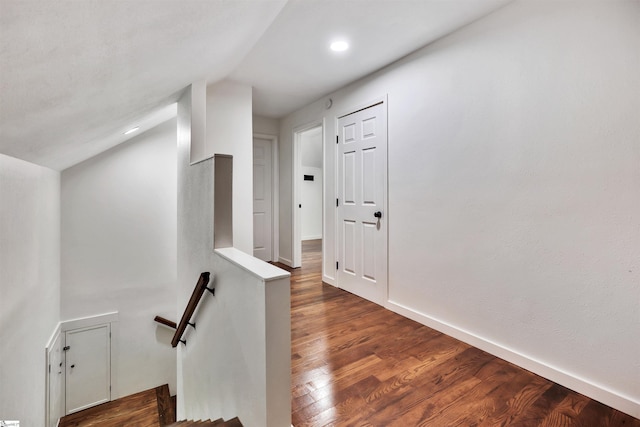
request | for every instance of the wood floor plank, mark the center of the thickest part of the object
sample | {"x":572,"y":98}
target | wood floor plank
{"x":356,"y":364}
{"x":139,"y":409}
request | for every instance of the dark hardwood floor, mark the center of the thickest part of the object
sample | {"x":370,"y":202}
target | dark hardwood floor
{"x":140,"y":410}
{"x":150,"y":408}
{"x":356,"y":364}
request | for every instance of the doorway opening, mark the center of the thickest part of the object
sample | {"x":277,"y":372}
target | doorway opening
{"x":308,"y":189}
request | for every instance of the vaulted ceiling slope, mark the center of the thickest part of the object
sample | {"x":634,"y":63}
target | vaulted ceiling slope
{"x":74,"y":75}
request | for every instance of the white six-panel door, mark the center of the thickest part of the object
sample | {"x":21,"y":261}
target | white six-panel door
{"x":362,"y":223}
{"x":88,"y":364}
{"x":262,"y":199}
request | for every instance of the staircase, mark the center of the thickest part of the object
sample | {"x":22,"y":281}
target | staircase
{"x":150,"y":408}
{"x":234,"y":422}
{"x":167,"y":413}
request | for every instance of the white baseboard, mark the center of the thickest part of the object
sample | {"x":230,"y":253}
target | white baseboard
{"x":330,"y":280}
{"x":315,"y":237}
{"x":597,"y":392}
{"x":286,"y":261}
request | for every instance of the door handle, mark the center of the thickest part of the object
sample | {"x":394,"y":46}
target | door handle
{"x":378,"y":214}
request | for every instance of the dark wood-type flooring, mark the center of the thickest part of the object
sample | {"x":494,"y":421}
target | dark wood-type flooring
{"x":355,"y":363}
{"x":149,"y":408}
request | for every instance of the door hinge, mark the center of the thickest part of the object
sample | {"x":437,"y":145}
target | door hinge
{"x":49,"y":368}
{"x":336,"y":265}
{"x":66,"y":348}
{"x":337,"y":139}
{"x":337,"y":203}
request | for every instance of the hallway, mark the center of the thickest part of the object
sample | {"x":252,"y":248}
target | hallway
{"x":356,"y":363}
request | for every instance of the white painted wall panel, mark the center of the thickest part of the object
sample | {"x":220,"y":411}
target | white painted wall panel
{"x":229,"y":131}
{"x":266,"y":125}
{"x":237,"y":361}
{"x":513,"y":170}
{"x":29,"y":284}
{"x":119,"y":251}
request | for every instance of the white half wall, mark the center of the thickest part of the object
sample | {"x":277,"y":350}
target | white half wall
{"x":237,"y":362}
{"x":229,"y":131}
{"x":29,"y":285}
{"x":239,"y":355}
{"x":119,"y":251}
{"x":513,"y":183}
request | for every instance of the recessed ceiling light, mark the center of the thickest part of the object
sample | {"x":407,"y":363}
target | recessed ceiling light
{"x":132,"y":130}
{"x":339,"y":46}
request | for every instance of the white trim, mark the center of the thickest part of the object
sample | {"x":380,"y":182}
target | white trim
{"x":84,"y":322}
{"x":314,"y":237}
{"x":570,"y":380}
{"x":296,"y":235}
{"x":52,"y":339}
{"x":275,"y":194}
{"x":262,"y":270}
{"x":54,"y":335}
{"x":285,"y":261}
{"x":375,"y":101}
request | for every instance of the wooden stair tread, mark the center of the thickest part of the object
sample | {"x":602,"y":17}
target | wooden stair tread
{"x":140,"y":409}
{"x":166,"y":406}
{"x":234,"y":422}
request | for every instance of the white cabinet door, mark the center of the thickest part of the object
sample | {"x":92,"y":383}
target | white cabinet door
{"x":88,"y":367}
{"x":362,"y":183}
{"x":262,"y":199}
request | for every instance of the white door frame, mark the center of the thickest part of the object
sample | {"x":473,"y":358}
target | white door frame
{"x":275,"y":192}
{"x":52,"y":370}
{"x":296,"y":243}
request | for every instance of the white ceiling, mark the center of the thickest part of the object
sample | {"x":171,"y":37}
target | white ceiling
{"x":74,"y":75}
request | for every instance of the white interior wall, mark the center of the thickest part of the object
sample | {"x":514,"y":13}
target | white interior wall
{"x":119,"y":251}
{"x":266,"y":125}
{"x":513,"y":170}
{"x":229,"y":131}
{"x":195,"y":215}
{"x":237,"y":361}
{"x":311,"y":191}
{"x":311,"y":198}
{"x":29,"y":284}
